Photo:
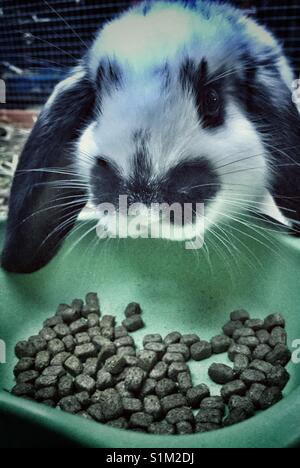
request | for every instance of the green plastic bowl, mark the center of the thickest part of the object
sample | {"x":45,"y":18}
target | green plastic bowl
{"x":179,"y":290}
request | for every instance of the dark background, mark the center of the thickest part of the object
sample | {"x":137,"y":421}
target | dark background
{"x":41,"y":39}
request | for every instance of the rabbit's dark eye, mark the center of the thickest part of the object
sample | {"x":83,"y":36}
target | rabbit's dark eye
{"x":212,"y":102}
{"x":102,"y":162}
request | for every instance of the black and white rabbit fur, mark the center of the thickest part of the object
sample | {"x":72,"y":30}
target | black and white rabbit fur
{"x":175,"y":101}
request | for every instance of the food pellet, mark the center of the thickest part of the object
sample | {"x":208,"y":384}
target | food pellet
{"x":251,"y":376}
{"x":274,"y":320}
{"x":238,"y":349}
{"x":65,"y":386}
{"x":92,"y":303}
{"x":179,"y":348}
{"x":148,"y":387}
{"x":126,"y":351}
{"x":242,"y":403}
{"x":261,"y":351}
{"x":83,"y":399}
{"x":241,"y":363}
{"x":25,"y":349}
{"x":27,"y":376}
{"x":201,"y":350}
{"x":57,"y":371}
{"x":107,"y":321}
{"x":82,"y":338}
{"x":46,"y":381}
{"x":95,"y":411}
{"x":120,"y":332}
{"x":206,"y":427}
{"x":231,"y":326}
{"x":169,"y":358}
{"x":184,"y":428}
{"x":85,"y":383}
{"x":152,"y":406}
{"x":152,"y":338}
{"x":92,"y":367}
{"x":251,"y":341}
{"x":234,"y":417}
{"x":237,"y":387}
{"x":70,"y":404}
{"x":52,"y":321}
{"x":158,"y":348}
{"x":261,"y":366}
{"x":120,"y":423}
{"x":134,"y":379}
{"x":42,"y":360}
{"x":159,"y":371}
{"x":56,"y":346}
{"x":269,"y":397}
{"x":165,"y":387}
{"x":104,"y":380}
{"x":47,"y":334}
{"x":173,"y":401}
{"x":73,"y":366}
{"x":79,"y":326}
{"x":278,"y":336}
{"x":189,"y":339}
{"x":161,"y":428}
{"x":220,"y":373}
{"x":69,"y":343}
{"x":147,"y":359}
{"x":132,"y":309}
{"x":196,"y":394}
{"x":255,"y":324}
{"x":278,"y":377}
{"x":85,"y":351}
{"x":255,"y":392}
{"x":24,"y":364}
{"x":133,"y":323}
{"x":177,"y":415}
{"x":213,"y":416}
{"x":111,"y":403}
{"x":59,"y":358}
{"x":176,"y":368}
{"x":68,"y":314}
{"x":279,"y":356}
{"x":241,"y":315}
{"x":132,"y":405}
{"x":47,"y":393}
{"x":184,"y":380}
{"x":213,"y":402}
{"x":263,"y":336}
{"x":115,"y":364}
{"x":61,"y":330}
{"x":220,"y":344}
{"x":172,"y":338}
{"x":141,"y":420}
{"x":23,"y":390}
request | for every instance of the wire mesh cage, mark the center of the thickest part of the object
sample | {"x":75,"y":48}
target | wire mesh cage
{"x":41,"y":39}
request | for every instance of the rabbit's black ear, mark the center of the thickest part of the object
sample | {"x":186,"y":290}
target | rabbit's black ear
{"x":279,"y":121}
{"x":46,"y":195}
{"x":268,"y":86}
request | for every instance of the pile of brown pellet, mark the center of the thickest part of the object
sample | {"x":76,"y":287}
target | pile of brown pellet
{"x":87,"y":365}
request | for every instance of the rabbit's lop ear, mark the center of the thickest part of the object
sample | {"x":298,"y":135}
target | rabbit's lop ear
{"x":276,"y":117}
{"x":47,"y":195}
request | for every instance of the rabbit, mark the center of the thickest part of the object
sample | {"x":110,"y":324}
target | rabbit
{"x":173,"y":102}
